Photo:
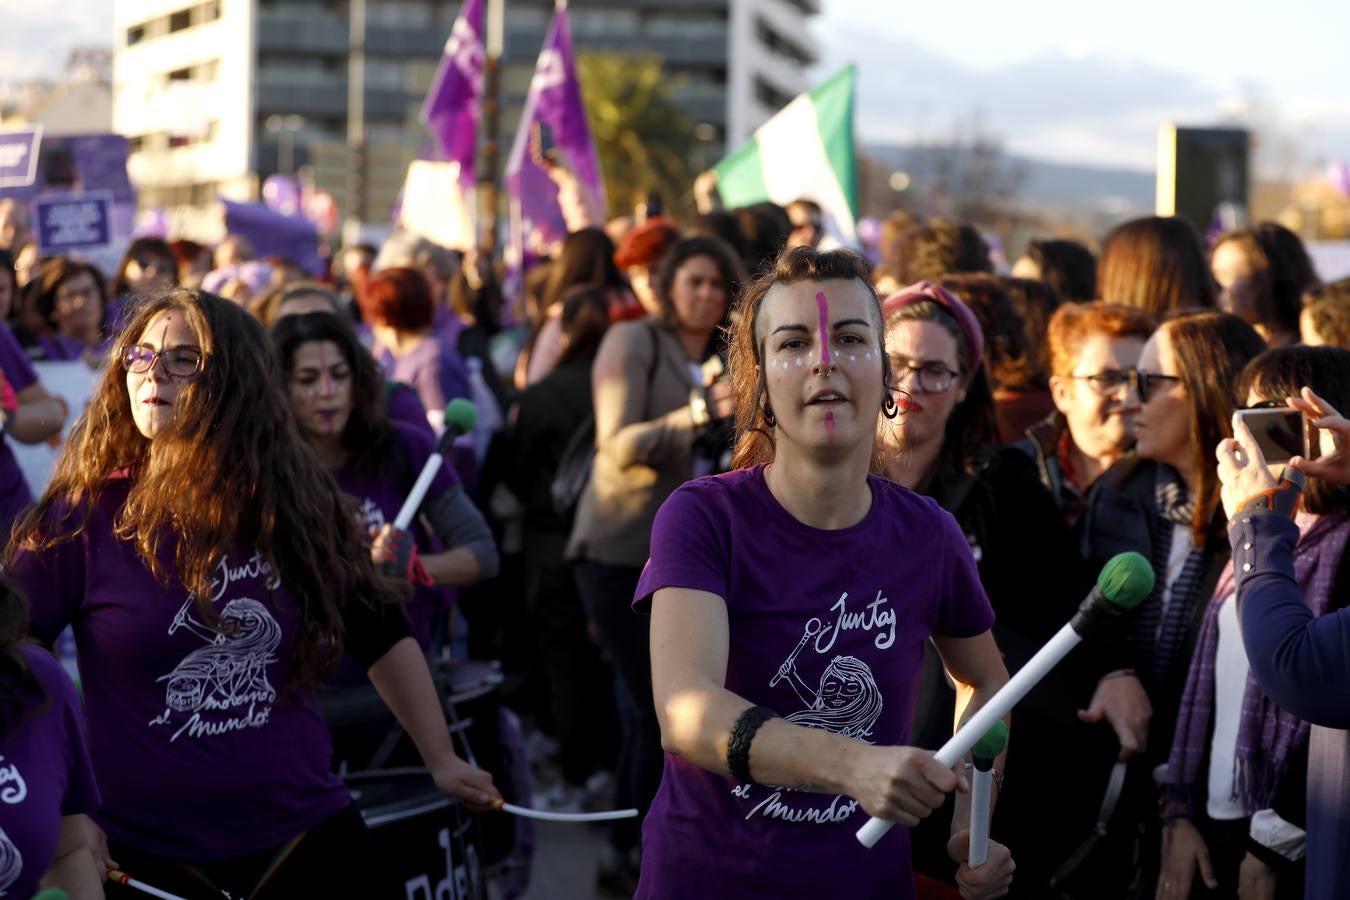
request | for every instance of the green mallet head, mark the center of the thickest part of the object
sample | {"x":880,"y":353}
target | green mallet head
{"x":993,"y":742}
{"x":1126,"y":580}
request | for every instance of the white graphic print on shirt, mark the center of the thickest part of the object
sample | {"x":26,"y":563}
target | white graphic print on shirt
{"x":844,"y":700}
{"x":13,"y":790}
{"x":229,"y":674}
{"x":12,"y":786}
{"x":11,"y":863}
{"x":370,"y":516}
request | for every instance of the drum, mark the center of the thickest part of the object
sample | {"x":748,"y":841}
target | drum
{"x":426,"y":844}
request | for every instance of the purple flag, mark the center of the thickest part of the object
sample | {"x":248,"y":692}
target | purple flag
{"x":554,"y":99}
{"x":451,"y":107}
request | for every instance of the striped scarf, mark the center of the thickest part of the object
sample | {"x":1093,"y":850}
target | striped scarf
{"x":1267,"y":734}
{"x":1158,"y":634}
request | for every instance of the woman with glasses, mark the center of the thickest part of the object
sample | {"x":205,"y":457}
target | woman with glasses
{"x":942,"y":445}
{"x":61,"y":315}
{"x":1163,"y":502}
{"x":1093,"y":348}
{"x":212,"y":571}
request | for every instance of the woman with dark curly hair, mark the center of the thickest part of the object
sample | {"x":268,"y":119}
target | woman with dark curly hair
{"x":336,"y":389}
{"x":212,"y":571}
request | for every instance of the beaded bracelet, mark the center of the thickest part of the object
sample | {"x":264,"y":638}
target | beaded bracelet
{"x":742,"y":733}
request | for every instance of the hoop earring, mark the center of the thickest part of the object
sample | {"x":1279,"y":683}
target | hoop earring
{"x":769,"y":417}
{"x":889,"y":408}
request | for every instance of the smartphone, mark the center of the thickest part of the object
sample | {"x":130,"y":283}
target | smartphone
{"x":1281,"y":433}
{"x":543,"y":139}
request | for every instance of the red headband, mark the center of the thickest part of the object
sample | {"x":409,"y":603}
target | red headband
{"x":965,"y":319}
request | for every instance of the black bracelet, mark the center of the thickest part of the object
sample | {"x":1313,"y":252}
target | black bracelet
{"x":742,"y":733}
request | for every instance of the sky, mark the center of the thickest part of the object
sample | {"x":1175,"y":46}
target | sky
{"x":1086,"y":82}
{"x":1090,"y":82}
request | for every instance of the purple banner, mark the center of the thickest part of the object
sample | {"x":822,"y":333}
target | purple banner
{"x":451,"y":108}
{"x":273,"y":234}
{"x":66,"y":222}
{"x":554,"y":99}
{"x":19,"y":156}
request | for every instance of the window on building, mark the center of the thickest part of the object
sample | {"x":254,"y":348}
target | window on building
{"x":135,"y":34}
{"x":180,"y":21}
{"x":181,"y":75}
{"x":135,"y":143}
{"x":769,"y":95}
{"x":780,"y":44}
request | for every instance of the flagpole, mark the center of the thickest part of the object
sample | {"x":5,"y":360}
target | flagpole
{"x":491,"y":120}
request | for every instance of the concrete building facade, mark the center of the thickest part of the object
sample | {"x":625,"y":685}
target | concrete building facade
{"x":196,"y":81}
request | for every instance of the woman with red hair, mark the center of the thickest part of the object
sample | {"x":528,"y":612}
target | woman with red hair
{"x":397,"y":305}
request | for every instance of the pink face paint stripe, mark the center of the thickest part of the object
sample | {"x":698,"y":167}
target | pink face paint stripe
{"x":824,"y":306}
{"x":829,"y":428}
{"x":327,"y":386}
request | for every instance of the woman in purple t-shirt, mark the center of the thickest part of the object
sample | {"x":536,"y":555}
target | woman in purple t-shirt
{"x":790,"y":602}
{"x":47,"y":788}
{"x":335,"y":389}
{"x":210,"y":570}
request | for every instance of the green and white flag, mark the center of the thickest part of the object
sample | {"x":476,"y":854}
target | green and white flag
{"x":804,"y":152}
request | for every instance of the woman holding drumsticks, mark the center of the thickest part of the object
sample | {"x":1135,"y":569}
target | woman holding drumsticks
{"x":790,"y":599}
{"x":211,"y":571}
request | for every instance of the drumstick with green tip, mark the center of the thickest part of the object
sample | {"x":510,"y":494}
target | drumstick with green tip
{"x":460,"y":418}
{"x":982,"y":756}
{"x":1124,"y":582}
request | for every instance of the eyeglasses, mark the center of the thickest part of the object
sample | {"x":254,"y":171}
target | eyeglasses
{"x":183,"y":362}
{"x":1108,"y":381}
{"x":932,"y":378}
{"x":75,"y":298}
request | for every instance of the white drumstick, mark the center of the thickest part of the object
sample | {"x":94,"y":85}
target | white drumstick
{"x":540,"y":814}
{"x":460,"y":418}
{"x":981,"y":788}
{"x":124,"y":878}
{"x":1124,"y":582}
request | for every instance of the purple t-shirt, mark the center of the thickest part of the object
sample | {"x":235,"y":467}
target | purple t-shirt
{"x":844,"y":615}
{"x":201,"y":749}
{"x":432,"y":368}
{"x":44,"y":775}
{"x":379,"y":498}
{"x":14,"y":493}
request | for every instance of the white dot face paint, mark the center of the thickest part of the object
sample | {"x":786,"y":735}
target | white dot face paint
{"x":822,"y":364}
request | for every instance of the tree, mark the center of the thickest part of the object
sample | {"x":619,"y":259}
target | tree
{"x":644,"y":138}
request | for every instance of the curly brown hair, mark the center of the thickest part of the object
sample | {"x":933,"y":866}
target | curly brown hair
{"x":754,"y":417}
{"x":232,"y":468}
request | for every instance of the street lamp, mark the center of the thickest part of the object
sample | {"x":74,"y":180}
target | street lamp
{"x":285,"y":127}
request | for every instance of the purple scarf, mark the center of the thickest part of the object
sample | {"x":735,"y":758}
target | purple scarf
{"x":1267,"y":734}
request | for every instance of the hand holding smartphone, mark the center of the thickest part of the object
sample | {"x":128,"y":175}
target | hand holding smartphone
{"x":1281,"y":433}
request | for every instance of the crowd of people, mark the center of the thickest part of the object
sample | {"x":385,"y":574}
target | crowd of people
{"x":749,"y":522}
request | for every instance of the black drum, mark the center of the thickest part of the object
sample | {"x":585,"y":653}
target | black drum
{"x":426,"y":845}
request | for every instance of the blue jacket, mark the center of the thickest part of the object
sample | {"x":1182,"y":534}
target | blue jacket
{"x":1303,"y":664}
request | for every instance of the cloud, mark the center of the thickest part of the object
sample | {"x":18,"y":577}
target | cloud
{"x":1062,"y":105}
{"x":37,"y":41}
